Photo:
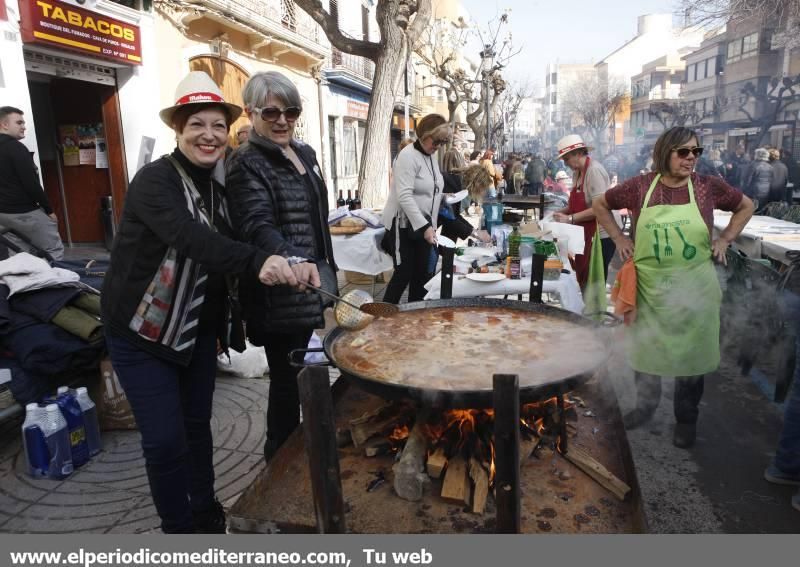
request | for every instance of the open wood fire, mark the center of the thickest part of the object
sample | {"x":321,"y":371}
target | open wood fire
{"x":455,"y":446}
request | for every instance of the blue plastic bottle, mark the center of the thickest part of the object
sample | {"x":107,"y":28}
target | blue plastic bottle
{"x":56,"y":435}
{"x":71,"y":410}
{"x":37,"y":457}
{"x":90,"y":422}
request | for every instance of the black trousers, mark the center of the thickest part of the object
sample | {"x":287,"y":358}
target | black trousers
{"x":413,"y":270}
{"x":283,"y":406}
{"x":686,"y":401}
{"x":172,"y":406}
{"x":609,"y":248}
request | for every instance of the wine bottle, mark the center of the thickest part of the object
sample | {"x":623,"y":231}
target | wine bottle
{"x":349,"y":201}
{"x":340,"y":201}
{"x":356,"y":204}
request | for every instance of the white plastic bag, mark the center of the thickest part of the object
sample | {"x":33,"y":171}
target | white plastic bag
{"x":315,"y":357}
{"x":252,"y":363}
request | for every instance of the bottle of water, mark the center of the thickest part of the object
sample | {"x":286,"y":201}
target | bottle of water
{"x":90,"y":421}
{"x":37,"y":456}
{"x":56,"y":435}
{"x":71,"y":410}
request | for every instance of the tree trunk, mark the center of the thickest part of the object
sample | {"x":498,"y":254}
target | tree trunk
{"x":373,"y":181}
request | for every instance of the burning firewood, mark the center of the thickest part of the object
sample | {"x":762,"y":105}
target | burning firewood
{"x":480,"y":478}
{"x":377,"y":447}
{"x":436,"y":463}
{"x":598,"y":472}
{"x":373,"y":423}
{"x":456,"y":485}
{"x":409,"y":472}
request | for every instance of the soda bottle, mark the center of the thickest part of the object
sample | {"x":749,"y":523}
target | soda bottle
{"x":90,"y":422}
{"x":56,"y":436}
{"x":37,"y":456}
{"x":73,"y":415}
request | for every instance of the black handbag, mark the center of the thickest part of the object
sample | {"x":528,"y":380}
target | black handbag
{"x":388,"y":240}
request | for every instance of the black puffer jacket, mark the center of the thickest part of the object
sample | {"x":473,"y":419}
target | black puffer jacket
{"x":273,"y":207}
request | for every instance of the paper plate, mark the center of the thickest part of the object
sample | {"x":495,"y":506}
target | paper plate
{"x":445,"y":242}
{"x":452,"y":198}
{"x":490,"y":277}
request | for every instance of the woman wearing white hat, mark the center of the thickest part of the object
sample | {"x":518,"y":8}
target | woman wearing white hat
{"x":166,"y":303}
{"x":589,"y":181}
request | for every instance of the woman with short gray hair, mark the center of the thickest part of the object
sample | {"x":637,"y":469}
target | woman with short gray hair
{"x":279,"y":203}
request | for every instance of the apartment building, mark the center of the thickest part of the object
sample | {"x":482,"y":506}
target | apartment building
{"x":560,"y":78}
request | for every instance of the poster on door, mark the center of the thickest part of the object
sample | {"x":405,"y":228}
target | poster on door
{"x":101,"y":153}
{"x":87,"y":148}
{"x":68,"y":136}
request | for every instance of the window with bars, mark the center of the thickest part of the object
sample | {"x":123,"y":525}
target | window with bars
{"x":349,"y":155}
{"x":289,"y":14}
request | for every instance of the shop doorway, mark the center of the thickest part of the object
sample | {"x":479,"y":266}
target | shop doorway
{"x":81,"y":151}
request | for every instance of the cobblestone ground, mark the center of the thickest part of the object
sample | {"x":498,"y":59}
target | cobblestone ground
{"x":110,"y":494}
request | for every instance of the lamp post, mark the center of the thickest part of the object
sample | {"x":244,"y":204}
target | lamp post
{"x":487,"y":66}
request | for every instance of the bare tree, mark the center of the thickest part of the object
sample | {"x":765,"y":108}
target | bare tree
{"x":681,"y":112}
{"x":773,"y":102}
{"x":479,"y":88}
{"x":717,"y":12}
{"x":508,"y":107}
{"x":591,"y":106}
{"x":401,"y":24}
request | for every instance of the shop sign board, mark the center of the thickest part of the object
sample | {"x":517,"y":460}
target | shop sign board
{"x":54,"y":23}
{"x":357,"y":109}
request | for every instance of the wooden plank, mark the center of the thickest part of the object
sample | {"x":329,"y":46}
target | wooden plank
{"x":409,"y":476}
{"x":598,"y":472}
{"x":319,"y":428}
{"x":436,"y":463}
{"x":456,"y":485}
{"x":506,"y":445}
{"x":372,"y":423}
{"x":480,"y":480}
{"x":527,"y":444}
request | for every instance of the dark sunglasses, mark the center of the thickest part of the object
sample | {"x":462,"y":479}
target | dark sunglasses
{"x":683,"y":153}
{"x":272,"y":113}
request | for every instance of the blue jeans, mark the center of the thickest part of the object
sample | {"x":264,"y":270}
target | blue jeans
{"x":787,"y":457}
{"x":172,"y":406}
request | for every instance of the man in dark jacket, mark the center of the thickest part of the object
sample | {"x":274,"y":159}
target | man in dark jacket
{"x":535,"y":174}
{"x":24,"y":207}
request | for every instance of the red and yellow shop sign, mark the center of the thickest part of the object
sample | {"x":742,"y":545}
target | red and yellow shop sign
{"x":58,"y":24}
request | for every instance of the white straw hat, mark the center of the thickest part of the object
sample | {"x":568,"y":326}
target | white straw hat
{"x":198,"y":88}
{"x":570,"y":143}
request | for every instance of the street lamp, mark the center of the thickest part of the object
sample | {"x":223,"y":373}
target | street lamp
{"x":487,"y":65}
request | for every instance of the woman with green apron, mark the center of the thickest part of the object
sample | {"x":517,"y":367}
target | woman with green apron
{"x":676,"y":330}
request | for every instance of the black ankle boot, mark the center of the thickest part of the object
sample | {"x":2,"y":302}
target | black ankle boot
{"x":684,"y":436}
{"x":210,"y":521}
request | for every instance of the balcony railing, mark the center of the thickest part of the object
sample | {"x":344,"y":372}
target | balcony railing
{"x":361,"y":66}
{"x":282,"y":12}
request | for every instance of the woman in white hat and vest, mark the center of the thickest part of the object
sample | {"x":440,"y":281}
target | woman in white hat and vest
{"x":167,"y":300}
{"x":589,"y":181}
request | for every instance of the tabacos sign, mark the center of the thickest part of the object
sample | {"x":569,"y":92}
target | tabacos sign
{"x":49,"y":22}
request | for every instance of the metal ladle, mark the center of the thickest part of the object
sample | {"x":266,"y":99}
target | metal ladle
{"x":353,"y":316}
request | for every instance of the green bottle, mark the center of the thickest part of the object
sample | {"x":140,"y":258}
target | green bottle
{"x":514,"y":240}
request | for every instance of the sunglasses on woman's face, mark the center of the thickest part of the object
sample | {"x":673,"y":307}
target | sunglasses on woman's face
{"x":683,"y":153}
{"x":273,"y":113}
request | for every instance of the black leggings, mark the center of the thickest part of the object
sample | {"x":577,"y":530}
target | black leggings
{"x":412,"y":272}
{"x":688,"y":393}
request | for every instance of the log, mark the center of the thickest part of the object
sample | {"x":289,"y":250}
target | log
{"x":409,"y":472}
{"x":361,"y":432}
{"x":377,"y":447}
{"x":527,"y":445}
{"x":480,"y":480}
{"x":598,"y":472}
{"x":456,"y":485}
{"x":436,"y":463}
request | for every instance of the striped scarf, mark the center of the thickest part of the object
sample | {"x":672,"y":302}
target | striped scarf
{"x":169,"y":312}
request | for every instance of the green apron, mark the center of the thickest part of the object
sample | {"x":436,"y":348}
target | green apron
{"x":678,"y":297}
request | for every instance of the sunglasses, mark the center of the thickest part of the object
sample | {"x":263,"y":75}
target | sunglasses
{"x":272,"y":113}
{"x":683,"y":153}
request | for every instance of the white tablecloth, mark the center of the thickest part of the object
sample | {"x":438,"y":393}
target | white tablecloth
{"x":361,"y":252}
{"x":566,"y":287}
{"x":763,"y":236}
